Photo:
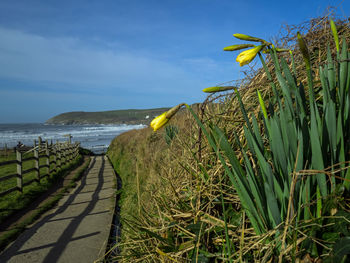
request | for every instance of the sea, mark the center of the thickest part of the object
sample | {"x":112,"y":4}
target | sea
{"x":93,"y":137}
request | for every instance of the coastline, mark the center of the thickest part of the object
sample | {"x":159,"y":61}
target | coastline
{"x":96,"y":137}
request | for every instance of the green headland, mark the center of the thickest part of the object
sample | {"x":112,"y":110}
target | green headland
{"x":130,"y":116}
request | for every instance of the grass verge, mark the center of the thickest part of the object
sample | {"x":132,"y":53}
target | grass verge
{"x":14,"y":202}
{"x":13,"y":233}
{"x":12,"y":168}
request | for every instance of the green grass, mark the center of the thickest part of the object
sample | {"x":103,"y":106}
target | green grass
{"x":12,"y":169}
{"x":125,"y":167}
{"x":12,"y":234}
{"x":16,"y":201}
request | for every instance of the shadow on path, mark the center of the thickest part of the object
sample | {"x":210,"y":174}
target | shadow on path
{"x":67,"y":236}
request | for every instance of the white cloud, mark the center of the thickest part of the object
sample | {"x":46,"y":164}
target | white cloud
{"x":29,"y":57}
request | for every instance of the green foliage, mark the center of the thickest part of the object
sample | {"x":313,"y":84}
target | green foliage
{"x":248,"y":186}
{"x":12,"y":169}
{"x":12,"y":234}
{"x":133,"y":161}
{"x":170,"y":133}
{"x":301,"y":135}
{"x":84,"y":151}
{"x":15,"y":201}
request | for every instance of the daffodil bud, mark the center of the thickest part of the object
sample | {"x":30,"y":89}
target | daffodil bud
{"x":217,"y":89}
{"x":335,"y":34}
{"x":304,"y":50}
{"x":247,"y":56}
{"x":173,"y":110}
{"x":248,"y":38}
{"x":280,"y":50}
{"x":159,"y":121}
{"x":237,"y":47}
{"x":262,"y":105}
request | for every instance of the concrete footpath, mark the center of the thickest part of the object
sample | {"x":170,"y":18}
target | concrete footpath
{"x":77,"y":230}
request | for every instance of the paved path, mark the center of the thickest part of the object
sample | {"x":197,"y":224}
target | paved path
{"x":77,"y":230}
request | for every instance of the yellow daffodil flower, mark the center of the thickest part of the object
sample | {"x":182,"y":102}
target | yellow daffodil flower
{"x":247,"y":56}
{"x":217,"y":89}
{"x":159,"y":121}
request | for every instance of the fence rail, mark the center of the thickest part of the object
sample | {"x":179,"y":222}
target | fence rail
{"x":52,"y":156}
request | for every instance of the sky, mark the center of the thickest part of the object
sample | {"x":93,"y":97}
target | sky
{"x":84,"y":55}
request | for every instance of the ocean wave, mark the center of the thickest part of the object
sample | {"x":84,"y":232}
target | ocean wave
{"x":90,"y":136}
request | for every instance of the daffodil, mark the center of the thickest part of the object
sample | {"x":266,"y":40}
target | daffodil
{"x":304,"y":50}
{"x":248,"y":38}
{"x":262,"y":104}
{"x":278,"y":50}
{"x":247,"y":56}
{"x":238,"y":47}
{"x":335,"y":34}
{"x":217,"y":89}
{"x":159,"y":121}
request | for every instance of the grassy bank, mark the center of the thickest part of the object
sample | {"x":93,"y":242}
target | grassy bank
{"x":12,"y":169}
{"x":134,"y":162}
{"x":15,"y":201}
{"x":248,"y":177}
{"x":12,"y":232}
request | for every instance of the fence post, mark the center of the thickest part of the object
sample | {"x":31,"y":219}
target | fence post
{"x":70,"y":152}
{"x":75,"y":150}
{"x":59,"y":158}
{"x":54,"y":153}
{"x":19,"y":171}
{"x":36,"y":164}
{"x":40,"y":141}
{"x":47,"y":152}
{"x":66,"y":151}
{"x":63,"y":154}
{"x":78,"y":147}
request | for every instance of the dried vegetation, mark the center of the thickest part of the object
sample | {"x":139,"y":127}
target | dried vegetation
{"x":177,"y":204}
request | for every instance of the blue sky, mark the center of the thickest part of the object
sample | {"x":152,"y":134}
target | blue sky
{"x":59,"y":56}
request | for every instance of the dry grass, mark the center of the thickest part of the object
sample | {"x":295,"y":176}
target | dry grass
{"x":177,"y":206}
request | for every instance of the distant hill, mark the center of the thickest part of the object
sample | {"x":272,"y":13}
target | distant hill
{"x":107,"y":117}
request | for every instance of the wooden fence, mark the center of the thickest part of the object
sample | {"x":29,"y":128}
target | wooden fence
{"x":55,"y":156}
